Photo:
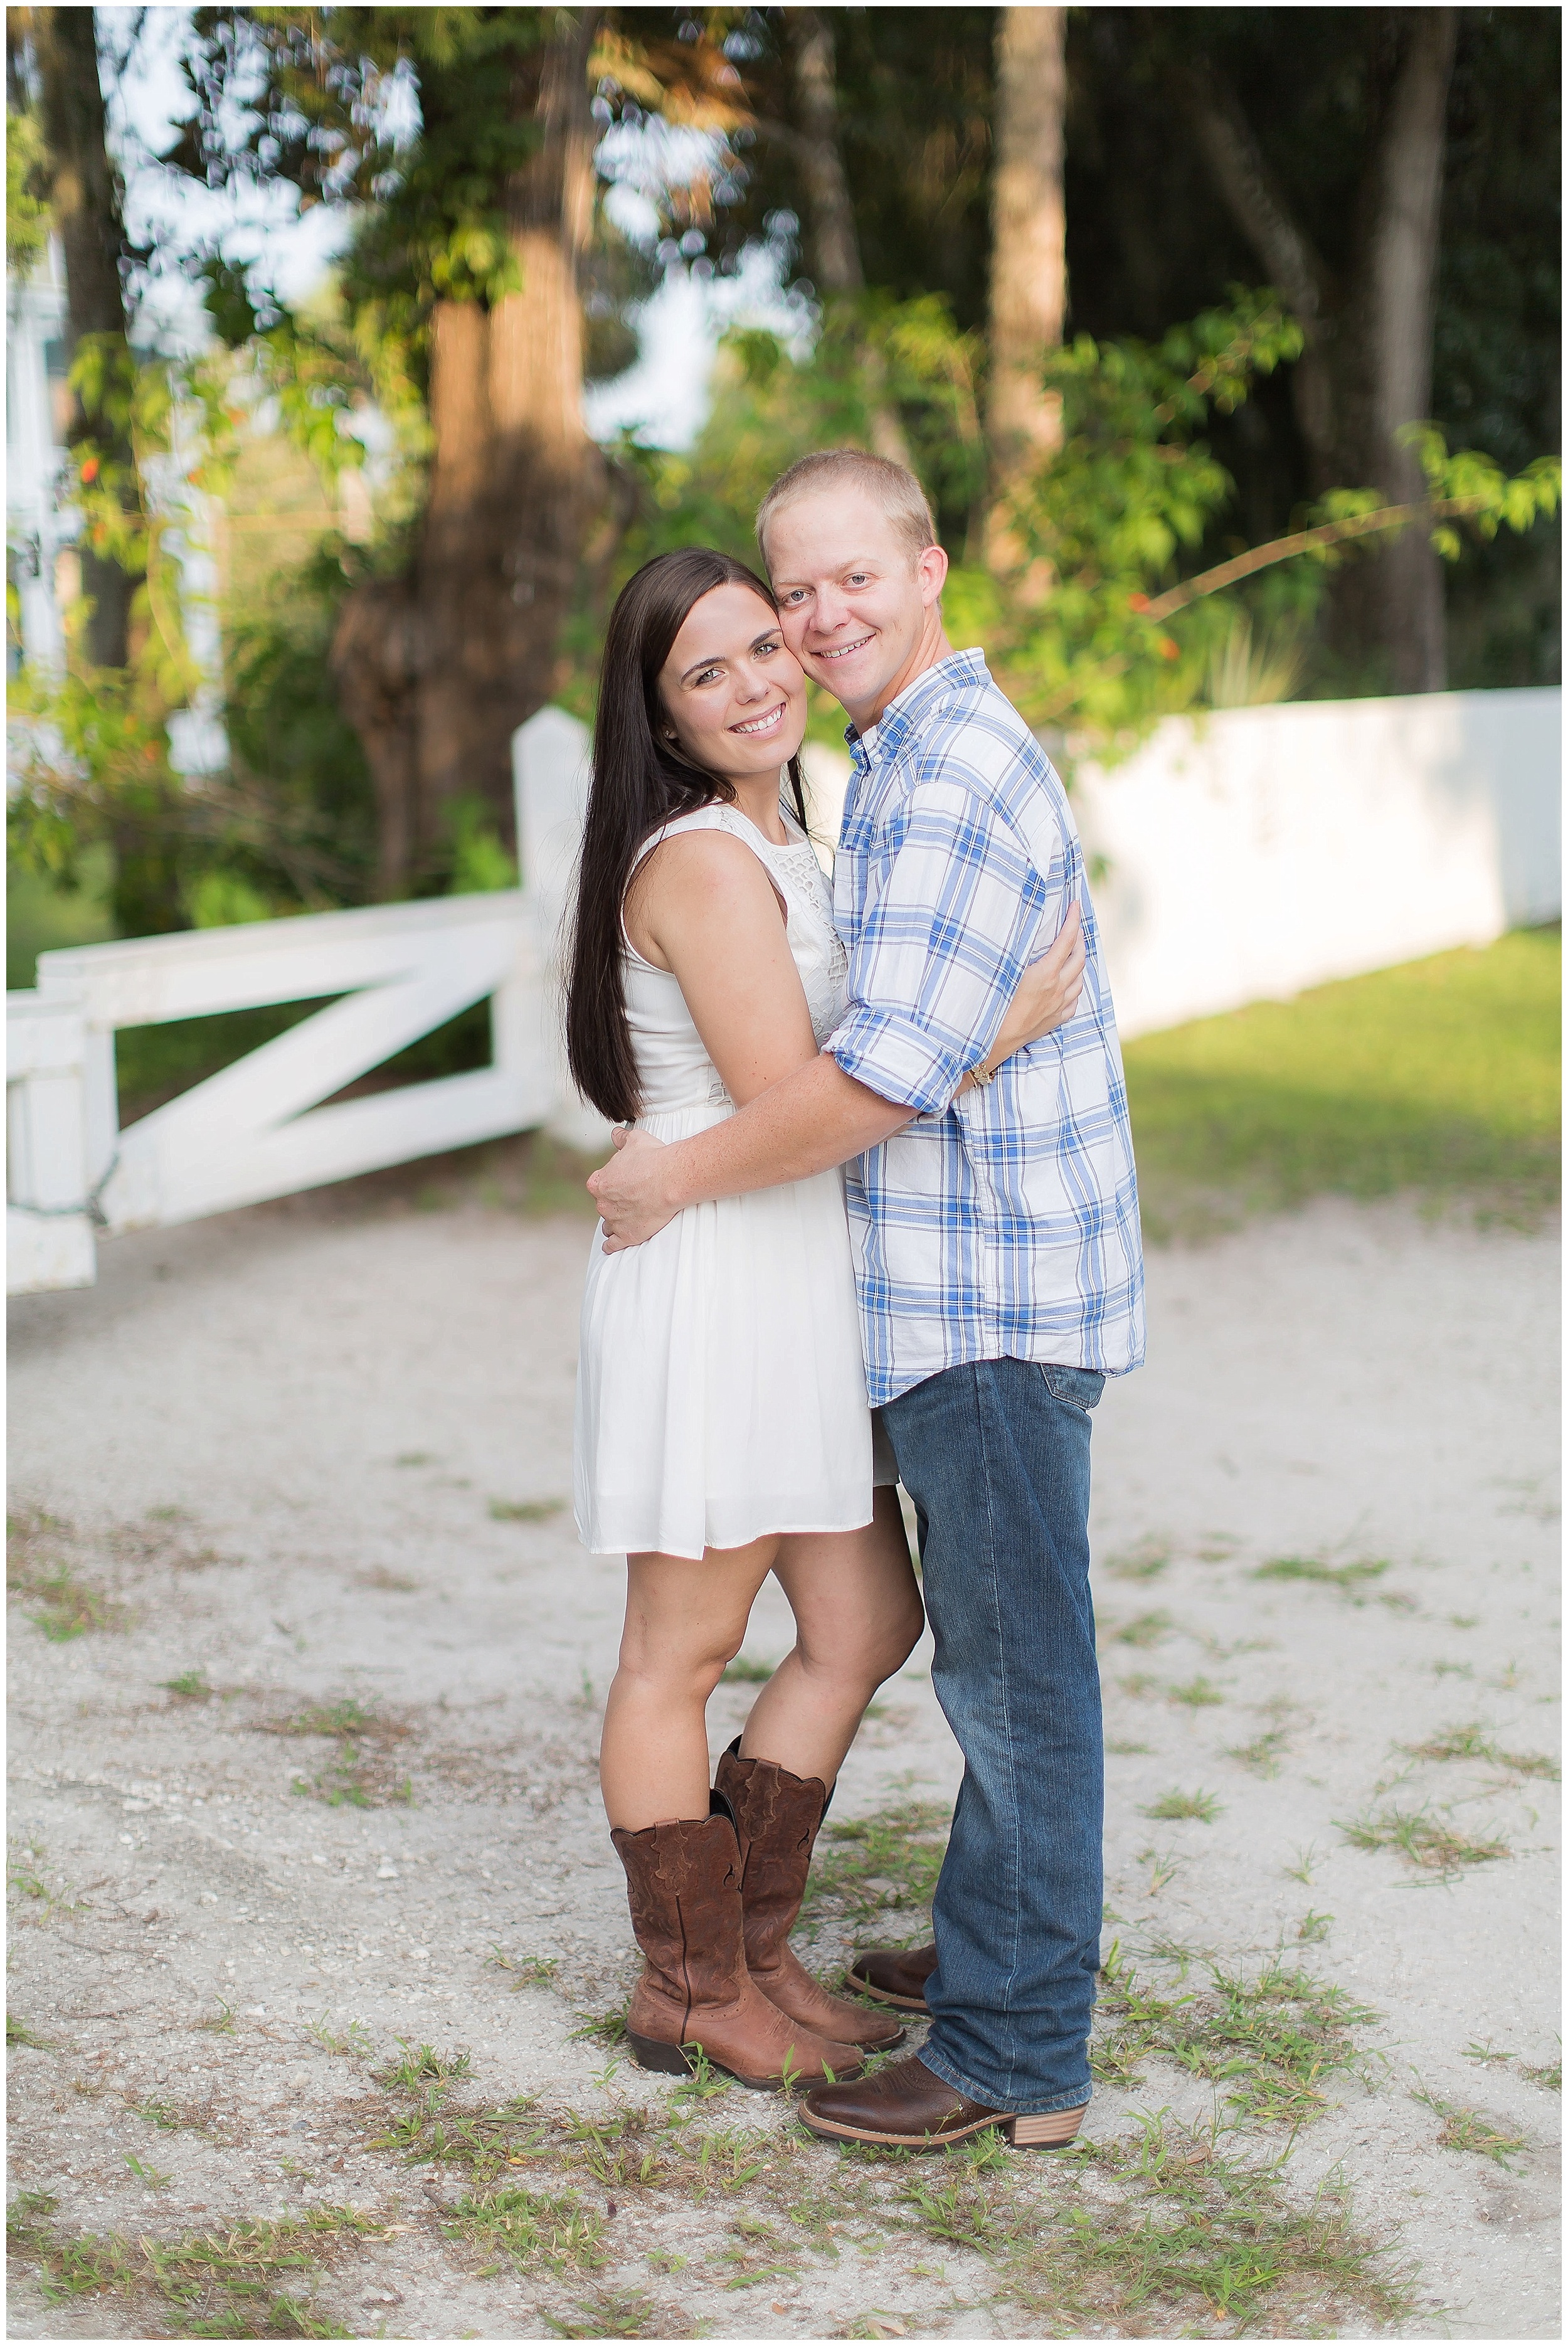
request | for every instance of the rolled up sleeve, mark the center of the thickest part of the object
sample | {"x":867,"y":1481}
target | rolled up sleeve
{"x":940,"y":951}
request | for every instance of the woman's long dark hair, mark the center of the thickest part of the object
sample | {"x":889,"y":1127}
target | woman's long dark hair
{"x":640,"y":782}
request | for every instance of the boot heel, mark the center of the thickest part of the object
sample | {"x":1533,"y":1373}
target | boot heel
{"x":648,"y":2053}
{"x":1051,"y":2130}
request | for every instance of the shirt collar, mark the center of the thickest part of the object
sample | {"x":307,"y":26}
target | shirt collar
{"x":900,"y":717}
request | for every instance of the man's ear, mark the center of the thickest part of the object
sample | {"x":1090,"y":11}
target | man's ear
{"x":931,"y":570}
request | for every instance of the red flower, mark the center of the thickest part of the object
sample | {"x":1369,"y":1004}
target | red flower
{"x":1138,"y":602}
{"x":90,"y":469}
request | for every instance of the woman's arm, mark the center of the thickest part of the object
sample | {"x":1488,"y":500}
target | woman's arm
{"x":703,"y":907}
{"x":1046,"y":998}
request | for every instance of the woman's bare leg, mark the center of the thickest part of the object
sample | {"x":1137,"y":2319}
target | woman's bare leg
{"x":685,"y":1621}
{"x":858,"y":1618}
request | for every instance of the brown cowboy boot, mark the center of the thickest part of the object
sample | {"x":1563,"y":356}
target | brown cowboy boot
{"x":683,"y":1884}
{"x":777,"y":1816}
{"x":907,"y":2106}
{"x":895,"y":1976}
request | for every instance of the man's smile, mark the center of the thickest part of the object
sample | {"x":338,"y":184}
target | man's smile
{"x":841,"y":651}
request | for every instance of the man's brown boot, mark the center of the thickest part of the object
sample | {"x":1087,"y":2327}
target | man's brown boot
{"x":895,"y":1976}
{"x":777,"y":1816}
{"x":907,"y":2106}
{"x":683,"y":1884}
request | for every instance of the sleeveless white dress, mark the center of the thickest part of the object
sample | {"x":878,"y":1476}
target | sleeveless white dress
{"x":721,"y":1390}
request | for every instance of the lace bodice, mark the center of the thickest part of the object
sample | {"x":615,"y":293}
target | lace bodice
{"x":672,"y":1062}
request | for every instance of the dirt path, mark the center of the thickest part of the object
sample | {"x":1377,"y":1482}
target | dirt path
{"x":316,"y":1779}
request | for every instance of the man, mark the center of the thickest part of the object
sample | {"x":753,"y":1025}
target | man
{"x":1000,"y":1276}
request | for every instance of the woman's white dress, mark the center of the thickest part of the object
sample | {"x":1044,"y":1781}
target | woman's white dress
{"x":721,"y":1391}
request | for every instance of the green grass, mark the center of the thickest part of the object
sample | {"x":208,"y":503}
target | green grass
{"x":866,"y":1866}
{"x":1346,"y":1577}
{"x":1195,"y":2243}
{"x":1268,"y":2043}
{"x":1173,"y":1808}
{"x":1467,"y":2129}
{"x":1424,"y":1840}
{"x":1440,"y":1075}
{"x":218,"y":2284}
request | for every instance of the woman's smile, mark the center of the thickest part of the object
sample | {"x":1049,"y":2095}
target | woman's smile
{"x":764,"y":724}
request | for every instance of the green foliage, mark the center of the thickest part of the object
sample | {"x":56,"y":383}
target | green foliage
{"x":26,"y":192}
{"x":1440,"y":1076}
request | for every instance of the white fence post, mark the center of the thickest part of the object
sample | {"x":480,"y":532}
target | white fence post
{"x":49,"y":1240}
{"x":550,"y":774}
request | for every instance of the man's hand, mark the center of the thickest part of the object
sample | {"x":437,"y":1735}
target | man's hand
{"x":630,"y":1190}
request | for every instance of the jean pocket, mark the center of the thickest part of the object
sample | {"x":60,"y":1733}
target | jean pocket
{"x":1079,"y":1388}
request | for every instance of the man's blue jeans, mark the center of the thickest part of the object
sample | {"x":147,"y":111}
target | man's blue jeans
{"x":995,"y":1455}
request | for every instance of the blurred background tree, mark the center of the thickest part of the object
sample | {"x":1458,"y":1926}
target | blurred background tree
{"x":1149,"y":298}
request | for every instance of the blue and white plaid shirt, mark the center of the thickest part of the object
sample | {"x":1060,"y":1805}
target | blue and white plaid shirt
{"x":1004,"y":1224}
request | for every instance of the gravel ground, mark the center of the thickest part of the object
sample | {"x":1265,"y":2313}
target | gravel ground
{"x":306,"y":1464}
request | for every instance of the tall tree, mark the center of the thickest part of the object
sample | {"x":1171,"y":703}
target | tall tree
{"x":85,"y":198}
{"x":1366,"y":369}
{"x":468,"y":252}
{"x":834,"y":245}
{"x":1028,"y":252}
{"x":436,"y":668}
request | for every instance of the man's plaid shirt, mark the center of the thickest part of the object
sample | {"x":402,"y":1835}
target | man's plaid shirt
{"x":1004,"y":1224}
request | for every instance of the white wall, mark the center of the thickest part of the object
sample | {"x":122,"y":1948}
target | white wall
{"x":1244,"y":855}
{"x":1255,"y":851}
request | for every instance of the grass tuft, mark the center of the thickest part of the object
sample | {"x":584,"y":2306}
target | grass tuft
{"x":191,"y":1686}
{"x":524,"y":1511}
{"x":1144,"y":1629}
{"x":1197,"y":1694}
{"x":531,"y":2228}
{"x":63,"y":1606}
{"x":361,"y":1773}
{"x":1346,"y":1577}
{"x":1467,"y":2129}
{"x":744,"y":1672}
{"x":1146,"y":1561}
{"x":1423,"y":1839}
{"x":1174,"y":1807}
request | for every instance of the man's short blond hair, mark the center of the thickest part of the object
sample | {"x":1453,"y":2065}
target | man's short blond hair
{"x":893,"y":487}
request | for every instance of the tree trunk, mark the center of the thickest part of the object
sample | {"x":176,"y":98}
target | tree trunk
{"x":1028,"y":260}
{"x":85,"y":194}
{"x":1396,"y":306}
{"x":437,"y":671}
{"x":1367,"y":369}
{"x":834,"y":245}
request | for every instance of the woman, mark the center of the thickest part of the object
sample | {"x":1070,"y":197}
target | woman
{"x":722,"y":1428}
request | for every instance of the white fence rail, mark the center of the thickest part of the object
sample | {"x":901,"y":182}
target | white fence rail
{"x":1247,"y":854}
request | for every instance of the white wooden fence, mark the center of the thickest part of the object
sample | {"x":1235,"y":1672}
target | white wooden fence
{"x":1247,"y":854}
{"x":258,"y":1130}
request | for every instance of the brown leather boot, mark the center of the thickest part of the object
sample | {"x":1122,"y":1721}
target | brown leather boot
{"x":906,"y":2107}
{"x":895,"y":1976}
{"x":683,"y":1884}
{"x":777,"y":1816}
